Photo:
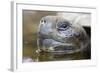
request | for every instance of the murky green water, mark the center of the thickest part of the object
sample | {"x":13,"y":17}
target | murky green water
{"x":30,"y":55}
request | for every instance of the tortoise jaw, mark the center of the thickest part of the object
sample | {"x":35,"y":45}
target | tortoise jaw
{"x":62,"y":49}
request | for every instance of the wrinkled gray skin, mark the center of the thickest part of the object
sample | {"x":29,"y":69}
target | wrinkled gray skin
{"x":58,"y":35}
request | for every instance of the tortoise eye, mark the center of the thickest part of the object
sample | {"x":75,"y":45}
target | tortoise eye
{"x":63,"y":26}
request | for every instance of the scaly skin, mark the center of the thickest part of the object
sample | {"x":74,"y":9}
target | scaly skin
{"x":56,"y":34}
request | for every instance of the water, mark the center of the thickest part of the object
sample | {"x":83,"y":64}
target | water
{"x":30,"y":55}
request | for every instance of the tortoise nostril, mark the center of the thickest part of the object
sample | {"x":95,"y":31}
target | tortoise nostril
{"x":43,"y":21}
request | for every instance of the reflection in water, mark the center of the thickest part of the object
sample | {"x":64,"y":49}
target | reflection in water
{"x":30,"y":55}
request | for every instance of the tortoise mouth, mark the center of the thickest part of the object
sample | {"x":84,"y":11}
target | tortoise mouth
{"x":53,"y":46}
{"x":64,"y":49}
